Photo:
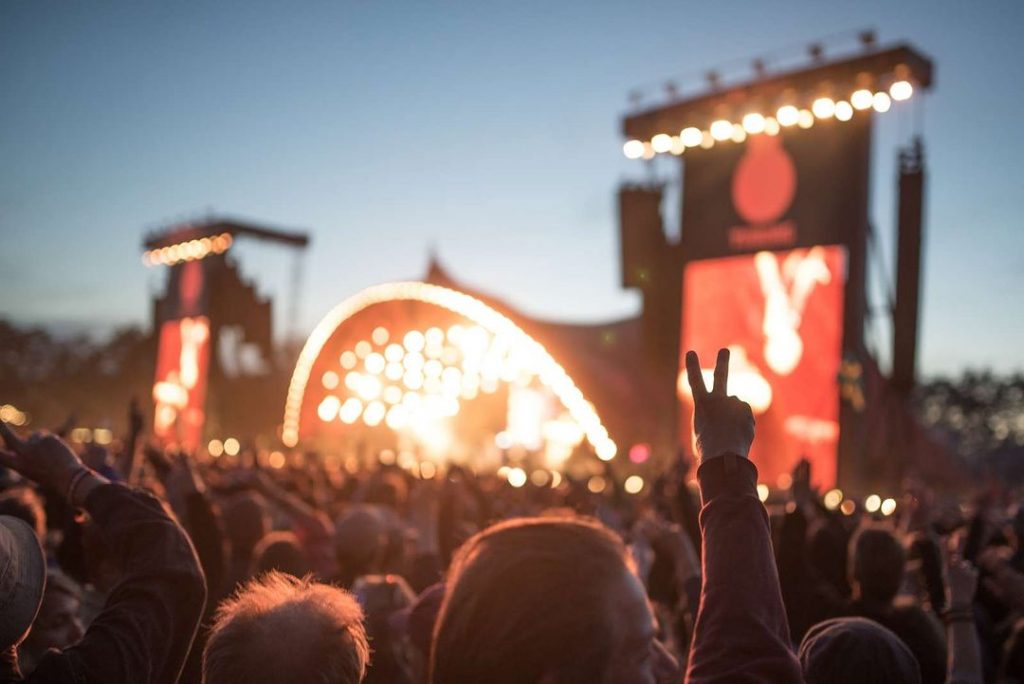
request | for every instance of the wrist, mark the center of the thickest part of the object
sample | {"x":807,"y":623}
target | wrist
{"x":958,"y":613}
{"x":83,"y":484}
{"x":710,"y":450}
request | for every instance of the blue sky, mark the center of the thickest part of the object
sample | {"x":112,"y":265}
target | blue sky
{"x":489,"y":131}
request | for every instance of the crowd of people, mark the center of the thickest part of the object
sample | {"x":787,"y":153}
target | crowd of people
{"x":146,"y":565}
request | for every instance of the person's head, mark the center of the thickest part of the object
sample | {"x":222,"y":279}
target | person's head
{"x":536,"y":600}
{"x":876,"y":564}
{"x":246,"y":521}
{"x":22,"y":579}
{"x":827,"y":546}
{"x":413,"y":628}
{"x":382,"y":597}
{"x":58,"y":624}
{"x":360,"y":542}
{"x":279,"y":628}
{"x":852,"y":649}
{"x":24,"y":503}
{"x":280,"y":551}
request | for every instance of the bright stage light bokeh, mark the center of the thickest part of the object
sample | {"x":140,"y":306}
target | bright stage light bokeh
{"x":901,"y":90}
{"x":691,"y":137}
{"x":491,"y":350}
{"x":844,"y":111}
{"x":862,"y":99}
{"x":753,"y":123}
{"x":661,"y":143}
{"x":721,"y":129}
{"x":787,"y":115}
{"x":824,"y":108}
{"x":633,"y":149}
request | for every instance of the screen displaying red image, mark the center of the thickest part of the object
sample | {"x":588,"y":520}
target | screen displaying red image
{"x":781,"y":316}
{"x":179,"y":389}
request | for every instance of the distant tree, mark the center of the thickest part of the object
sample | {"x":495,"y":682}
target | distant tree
{"x":51,"y":378}
{"x":982,"y":416}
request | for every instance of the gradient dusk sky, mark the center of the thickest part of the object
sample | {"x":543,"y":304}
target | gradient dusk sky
{"x":486,"y":131}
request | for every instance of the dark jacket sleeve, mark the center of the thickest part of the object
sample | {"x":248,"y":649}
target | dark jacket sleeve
{"x":147,"y":625}
{"x":741,"y":634}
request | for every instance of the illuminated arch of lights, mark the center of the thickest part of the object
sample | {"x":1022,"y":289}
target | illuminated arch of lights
{"x":538,"y":360}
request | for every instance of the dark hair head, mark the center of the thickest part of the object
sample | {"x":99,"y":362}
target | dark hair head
{"x":245,"y":521}
{"x":360,"y":542}
{"x":876,"y":563}
{"x":280,"y":551}
{"x":529,"y":597}
{"x":852,"y":649}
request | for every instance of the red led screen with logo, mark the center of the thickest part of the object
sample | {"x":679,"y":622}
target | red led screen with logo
{"x":773,"y":232}
{"x":780,"y":314}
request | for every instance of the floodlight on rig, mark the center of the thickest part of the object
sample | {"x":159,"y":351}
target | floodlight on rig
{"x":787,"y":115}
{"x":753,"y":123}
{"x":823,"y":107}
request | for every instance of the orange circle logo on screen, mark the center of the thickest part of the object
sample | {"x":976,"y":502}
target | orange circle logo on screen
{"x":764,"y":182}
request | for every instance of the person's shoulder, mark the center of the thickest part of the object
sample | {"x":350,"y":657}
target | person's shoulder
{"x":909,"y":614}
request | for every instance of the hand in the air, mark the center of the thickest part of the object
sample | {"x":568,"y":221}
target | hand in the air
{"x":723,"y":424}
{"x":42,"y":458}
{"x":961,"y":576}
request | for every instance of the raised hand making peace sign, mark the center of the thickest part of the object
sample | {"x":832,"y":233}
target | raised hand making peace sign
{"x":723,"y":424}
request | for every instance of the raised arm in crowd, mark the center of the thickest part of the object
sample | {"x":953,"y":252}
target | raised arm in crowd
{"x":146,"y":626}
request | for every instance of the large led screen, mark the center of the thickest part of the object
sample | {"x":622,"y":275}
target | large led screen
{"x":179,"y":389}
{"x":781,"y":315}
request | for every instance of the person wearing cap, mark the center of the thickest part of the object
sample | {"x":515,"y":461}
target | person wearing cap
{"x":147,"y":624}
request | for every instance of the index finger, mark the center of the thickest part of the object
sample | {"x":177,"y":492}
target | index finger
{"x":13,"y":442}
{"x":694,"y":376}
{"x":721,"y":372}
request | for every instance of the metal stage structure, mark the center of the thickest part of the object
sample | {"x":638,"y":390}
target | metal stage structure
{"x":772,"y":259}
{"x":215,"y":357}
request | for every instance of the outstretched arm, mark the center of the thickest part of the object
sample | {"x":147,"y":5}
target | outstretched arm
{"x":146,"y":626}
{"x":964,"y":664}
{"x":741,"y":633}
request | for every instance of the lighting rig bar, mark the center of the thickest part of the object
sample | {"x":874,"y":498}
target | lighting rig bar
{"x":838,"y":90}
{"x":190,"y":242}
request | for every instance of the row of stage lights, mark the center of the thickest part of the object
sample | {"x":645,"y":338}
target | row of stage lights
{"x":188,"y":251}
{"x":755,"y":123}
